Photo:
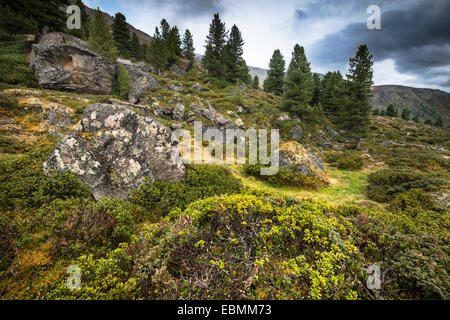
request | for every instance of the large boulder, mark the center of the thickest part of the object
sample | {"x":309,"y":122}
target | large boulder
{"x":181,"y":67}
{"x":64,"y":62}
{"x":115,"y":150}
{"x":295,"y":157}
{"x":141,"y":82}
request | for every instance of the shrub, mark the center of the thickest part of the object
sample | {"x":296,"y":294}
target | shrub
{"x":10,"y":233}
{"x":202,"y":181}
{"x":345,"y":160}
{"x":244,"y":247}
{"x":123,"y":82}
{"x":24,"y":184}
{"x":385,"y":184}
{"x":15,"y":68}
{"x":285,"y":177}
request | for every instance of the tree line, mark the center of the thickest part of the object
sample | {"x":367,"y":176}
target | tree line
{"x":393,"y":112}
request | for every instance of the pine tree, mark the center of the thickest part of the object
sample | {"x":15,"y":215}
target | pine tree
{"x":334,"y":95}
{"x":82,"y":33}
{"x":12,"y":23}
{"x":165,"y":29}
{"x":390,"y":110}
{"x":355,"y":116}
{"x":317,"y":90}
{"x":428,"y":122}
{"x":416,"y":119}
{"x":376,"y":112}
{"x":275,"y":76}
{"x":187,"y":46}
{"x":135,"y":46}
{"x":123,"y":82}
{"x":173,"y":43}
{"x":439,"y":122}
{"x":157,"y":54}
{"x":215,"y":42}
{"x":299,"y":84}
{"x":255,"y":83}
{"x":101,"y":40}
{"x":121,"y":34}
{"x":406,"y":114}
{"x":38,"y":15}
{"x":236,"y":68}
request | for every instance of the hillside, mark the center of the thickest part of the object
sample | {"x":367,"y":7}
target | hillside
{"x":424,"y":103}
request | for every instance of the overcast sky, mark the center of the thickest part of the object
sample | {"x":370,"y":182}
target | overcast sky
{"x":412,"y":48}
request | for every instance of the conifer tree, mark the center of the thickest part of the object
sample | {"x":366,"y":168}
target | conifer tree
{"x":215,"y":42}
{"x":187,"y":46}
{"x":38,"y":15}
{"x":82,"y":33}
{"x":317,"y":90}
{"x":428,"y":122}
{"x":334,"y":94}
{"x":439,"y":122}
{"x":275,"y":76}
{"x":101,"y":39}
{"x":255,"y":83}
{"x":376,"y":112}
{"x":173,"y":44}
{"x":416,"y":119}
{"x":355,"y":116}
{"x":236,"y":68}
{"x":299,"y":84}
{"x":165,"y":29}
{"x":135,"y":46}
{"x":406,"y":114}
{"x":157,"y":54}
{"x":121,"y":34}
{"x":390,"y":110}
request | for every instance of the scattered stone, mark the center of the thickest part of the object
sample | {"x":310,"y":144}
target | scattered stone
{"x":181,"y":67}
{"x":141,"y":82}
{"x":58,"y":116}
{"x":178,"y":112}
{"x":297,"y":133}
{"x":197,"y":87}
{"x":175,"y":87}
{"x":284,"y":117}
{"x":64,"y":62}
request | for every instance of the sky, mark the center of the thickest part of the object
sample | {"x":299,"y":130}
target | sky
{"x":412,"y":48}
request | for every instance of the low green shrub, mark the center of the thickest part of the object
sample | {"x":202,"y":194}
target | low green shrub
{"x":385,"y":184}
{"x":15,"y":68}
{"x":202,"y":181}
{"x":345,"y":160}
{"x":122,"y":85}
{"x":285,"y":177}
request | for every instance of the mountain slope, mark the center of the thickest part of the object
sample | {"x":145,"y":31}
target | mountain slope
{"x":425,"y":103}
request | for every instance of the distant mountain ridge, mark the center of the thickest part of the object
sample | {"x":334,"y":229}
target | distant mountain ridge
{"x":425,"y":103}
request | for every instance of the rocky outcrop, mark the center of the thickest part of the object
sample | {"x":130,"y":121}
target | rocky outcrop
{"x":181,"y":67}
{"x":295,"y":157}
{"x":115,"y":150}
{"x":64,"y":62}
{"x":141,"y":81}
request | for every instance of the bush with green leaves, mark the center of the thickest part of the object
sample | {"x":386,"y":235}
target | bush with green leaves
{"x":123,"y":82}
{"x":24,"y":184}
{"x":285,"y":177}
{"x":202,"y":181}
{"x":385,"y":184}
{"x":15,"y":69}
{"x":345,"y":160}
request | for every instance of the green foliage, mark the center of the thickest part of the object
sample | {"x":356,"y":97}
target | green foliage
{"x":285,"y":177}
{"x":13,"y":23}
{"x":236,"y":69}
{"x":416,"y":119}
{"x":15,"y":68}
{"x":215,"y":44}
{"x":385,"y":184}
{"x":345,"y":160}
{"x":123,"y":82}
{"x":135,"y":47}
{"x":299,"y":84}
{"x":255,"y":83}
{"x":187,"y":46}
{"x":252,"y":248}
{"x":334,"y":95}
{"x":121,"y":34}
{"x":202,"y":181}
{"x":354,"y":116}
{"x":10,"y":234}
{"x":439,"y":122}
{"x":24,"y":185}
{"x":157,"y":53}
{"x":274,"y":82}
{"x":406,"y":114}
{"x":105,"y":278}
{"x":101,"y":39}
{"x":82,"y":33}
{"x":391,"y":110}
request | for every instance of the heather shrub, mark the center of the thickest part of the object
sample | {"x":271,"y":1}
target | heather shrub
{"x":345,"y":160}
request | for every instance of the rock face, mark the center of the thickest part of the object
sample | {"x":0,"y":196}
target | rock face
{"x":115,"y":150}
{"x":295,"y":157}
{"x":181,"y":67}
{"x":64,"y":62}
{"x":140,"y":82}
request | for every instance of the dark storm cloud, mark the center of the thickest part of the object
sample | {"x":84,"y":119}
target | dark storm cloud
{"x":300,"y":14}
{"x":191,"y":7}
{"x":417,"y":39}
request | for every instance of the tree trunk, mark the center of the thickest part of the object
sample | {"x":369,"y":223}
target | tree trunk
{"x":358,"y":144}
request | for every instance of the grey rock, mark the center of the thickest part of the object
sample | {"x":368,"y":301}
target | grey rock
{"x":176,"y":126}
{"x":181,"y":67}
{"x":197,"y":87}
{"x":64,"y":62}
{"x":58,"y":116}
{"x":141,"y":82}
{"x":388,"y":143}
{"x":175,"y":87}
{"x":339,"y":147}
{"x":317,"y":161}
{"x":115,"y":151}
{"x":178,"y":112}
{"x":284,"y":117}
{"x":297,"y":133}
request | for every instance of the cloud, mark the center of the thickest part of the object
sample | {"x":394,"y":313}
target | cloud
{"x":189,"y":8}
{"x":416,"y":39}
